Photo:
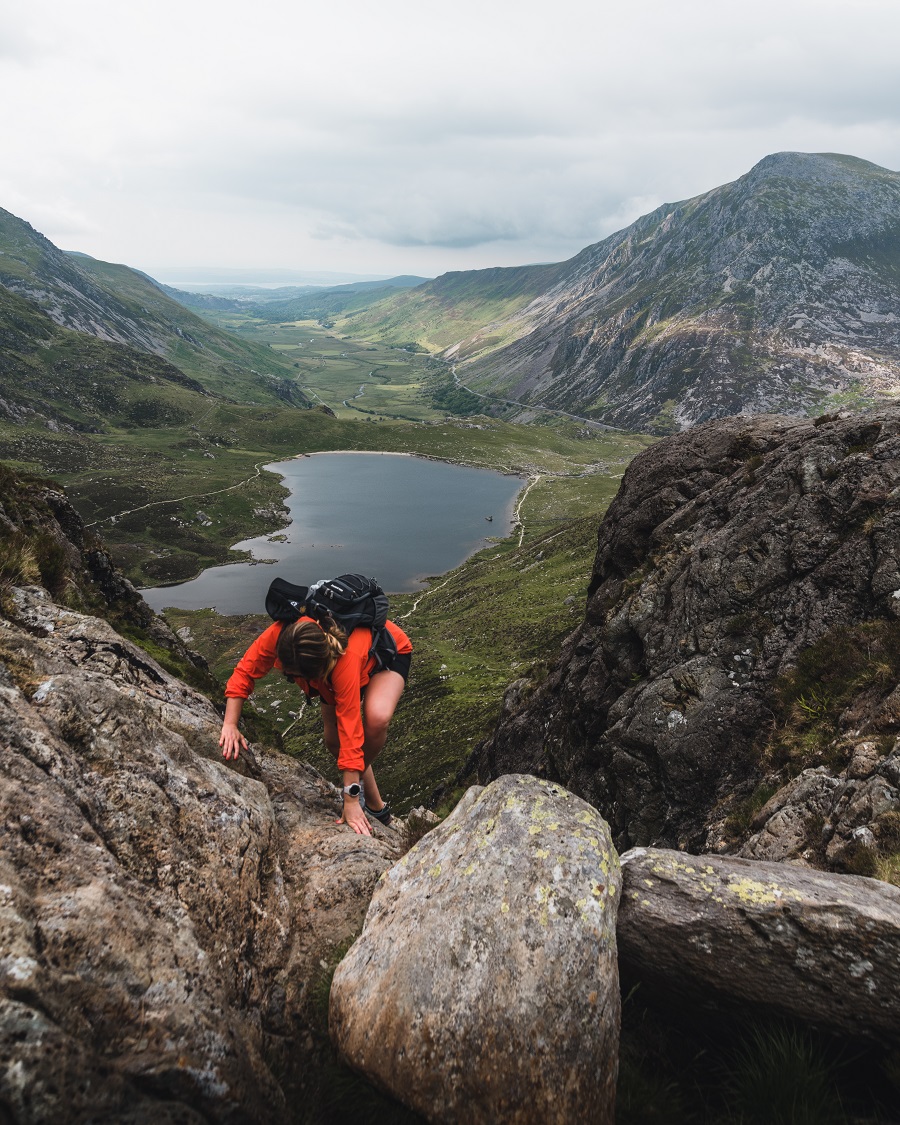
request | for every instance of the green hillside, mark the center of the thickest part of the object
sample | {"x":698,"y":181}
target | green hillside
{"x":450,"y":308}
{"x":224,"y":363}
{"x":64,"y":381}
{"x":327,"y":305}
{"x":120,"y":305}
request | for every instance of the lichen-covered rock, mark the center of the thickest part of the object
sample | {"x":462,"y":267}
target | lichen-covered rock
{"x":811,"y":945}
{"x":162,"y":914}
{"x":730,"y":554}
{"x":484,"y":987}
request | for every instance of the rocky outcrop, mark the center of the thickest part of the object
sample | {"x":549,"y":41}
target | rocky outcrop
{"x":734,"y":934}
{"x":772,"y":293}
{"x":163,"y":916}
{"x":742,"y":627}
{"x":845,"y":818}
{"x":484,"y":986}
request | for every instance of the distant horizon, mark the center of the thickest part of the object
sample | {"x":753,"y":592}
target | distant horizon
{"x":264,"y":276}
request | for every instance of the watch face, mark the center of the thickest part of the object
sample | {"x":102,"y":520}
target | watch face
{"x":351,"y":790}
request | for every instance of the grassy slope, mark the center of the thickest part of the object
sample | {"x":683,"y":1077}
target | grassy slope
{"x":450,"y":308}
{"x":115,"y":302}
{"x":326,"y":304}
{"x":224,"y":363}
{"x":67,"y":378}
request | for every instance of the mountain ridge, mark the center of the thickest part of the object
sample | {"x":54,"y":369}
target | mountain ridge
{"x":775,"y":292}
{"x":121,"y":306}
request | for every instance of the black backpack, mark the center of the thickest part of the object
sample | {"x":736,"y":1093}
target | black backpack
{"x":350,"y":599}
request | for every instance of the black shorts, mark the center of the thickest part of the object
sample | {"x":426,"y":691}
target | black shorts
{"x":400,"y":663}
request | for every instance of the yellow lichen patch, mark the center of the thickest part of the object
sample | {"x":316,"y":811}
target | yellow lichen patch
{"x":504,"y":908}
{"x":542,"y":894}
{"x":472,"y":867}
{"x":541,"y":853}
{"x":669,"y":867}
{"x":585,"y":817}
{"x":544,"y":816}
{"x":761,"y":894}
{"x":435,"y":871}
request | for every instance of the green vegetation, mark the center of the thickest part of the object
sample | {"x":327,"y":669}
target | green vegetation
{"x":451,"y":308}
{"x":847,"y":673}
{"x":117,"y":303}
{"x":846,"y":664}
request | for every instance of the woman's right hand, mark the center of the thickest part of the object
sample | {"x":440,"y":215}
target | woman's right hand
{"x":232,"y":741}
{"x":354,"y":816}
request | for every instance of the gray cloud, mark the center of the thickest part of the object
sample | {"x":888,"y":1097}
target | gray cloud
{"x":401,"y":134}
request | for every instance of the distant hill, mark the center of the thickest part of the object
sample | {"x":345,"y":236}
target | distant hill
{"x":308,"y":302}
{"x":122,"y":306}
{"x":454,"y":306}
{"x":780,"y":291}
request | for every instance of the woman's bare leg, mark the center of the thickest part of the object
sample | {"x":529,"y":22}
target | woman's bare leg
{"x":382,"y":696}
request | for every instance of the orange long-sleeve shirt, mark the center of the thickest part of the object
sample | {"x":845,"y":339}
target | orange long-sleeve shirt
{"x":341,"y":689}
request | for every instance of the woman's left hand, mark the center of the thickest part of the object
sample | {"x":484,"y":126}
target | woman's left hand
{"x":355,"y":817}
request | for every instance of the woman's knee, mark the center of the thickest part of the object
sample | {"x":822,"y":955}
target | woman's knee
{"x":376,"y":721}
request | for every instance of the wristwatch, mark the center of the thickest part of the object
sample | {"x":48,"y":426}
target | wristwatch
{"x":353,"y":790}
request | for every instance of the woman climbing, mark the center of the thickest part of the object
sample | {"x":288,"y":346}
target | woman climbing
{"x":358,"y":699}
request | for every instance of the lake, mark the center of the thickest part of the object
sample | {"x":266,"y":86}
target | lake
{"x":397,"y":518}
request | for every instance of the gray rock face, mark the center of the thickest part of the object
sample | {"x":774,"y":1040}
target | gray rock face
{"x":484,"y":987}
{"x":819,"y":947}
{"x":728,"y":553}
{"x":161,"y":914}
{"x":854,"y":808}
{"x":767,"y":294}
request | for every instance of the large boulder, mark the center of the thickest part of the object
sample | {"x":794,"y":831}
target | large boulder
{"x":741,"y":934}
{"x":163,"y":915}
{"x":484,"y":986}
{"x":732,"y":556}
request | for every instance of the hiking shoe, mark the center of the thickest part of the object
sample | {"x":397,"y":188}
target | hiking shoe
{"x":383,"y":816}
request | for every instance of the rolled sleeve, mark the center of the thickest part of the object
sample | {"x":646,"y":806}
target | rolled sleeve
{"x":254,"y":664}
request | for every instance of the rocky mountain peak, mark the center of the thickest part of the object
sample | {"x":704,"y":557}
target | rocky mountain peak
{"x":777,"y":292}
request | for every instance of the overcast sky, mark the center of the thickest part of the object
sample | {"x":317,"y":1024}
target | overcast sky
{"x":407,"y":136}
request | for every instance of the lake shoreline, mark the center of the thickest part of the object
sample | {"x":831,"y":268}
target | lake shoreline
{"x":453,"y":500}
